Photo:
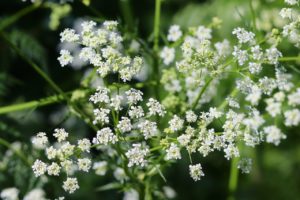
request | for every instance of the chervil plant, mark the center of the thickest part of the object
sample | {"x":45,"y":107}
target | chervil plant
{"x":141,"y":127}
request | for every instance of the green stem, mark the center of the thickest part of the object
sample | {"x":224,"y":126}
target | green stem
{"x":18,"y":153}
{"x":285,"y":59}
{"x":31,"y":104}
{"x":127,"y":14}
{"x":201,"y":92}
{"x":156,"y":24}
{"x":18,"y":15}
{"x":233,"y":178}
{"x":77,"y":110}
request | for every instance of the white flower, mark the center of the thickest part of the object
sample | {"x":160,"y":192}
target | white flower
{"x":286,"y":13}
{"x":101,"y":96}
{"x":291,"y":2}
{"x":116,"y":102}
{"x":254,"y":68}
{"x":173,"y":152}
{"x":169,"y":192}
{"x":184,"y":139}
{"x":70,"y":185}
{"x":10,"y":194}
{"x":65,"y":58}
{"x":294,"y":98}
{"x":60,"y":134}
{"x":40,"y":140}
{"x":254,"y":96}
{"x":155,"y":107}
{"x":136,"y":155}
{"x":134,"y":96}
{"x":120,"y":174}
{"x":51,"y":152}
{"x":243,"y":35}
{"x":67,"y":149}
{"x":191,"y":116}
{"x":39,"y":168}
{"x":223,"y":48}
{"x":231,"y":151}
{"x":84,"y":164}
{"x":84,"y":145}
{"x":273,"y":107}
{"x":240,"y":55}
{"x":174,"y":33}
{"x":124,"y":125}
{"x":105,"y":136}
{"x":257,"y":54}
{"x":273,"y":54}
{"x":203,"y":33}
{"x":131,"y":195}
{"x":100,"y":168}
{"x":69,"y":35}
{"x":167,"y":55}
{"x":292,"y":117}
{"x":148,"y":128}
{"x":245,"y":165}
{"x":214,"y":114}
{"x":274,"y":135}
{"x":53,"y":169}
{"x":136,"y":112}
{"x":101,"y":115}
{"x":196,"y":172}
{"x":176,"y":123}
{"x":35,"y":194}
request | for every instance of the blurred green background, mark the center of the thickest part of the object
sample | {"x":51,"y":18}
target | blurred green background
{"x":276,"y":170}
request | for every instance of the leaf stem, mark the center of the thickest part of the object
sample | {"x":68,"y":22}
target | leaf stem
{"x":233,"y":178}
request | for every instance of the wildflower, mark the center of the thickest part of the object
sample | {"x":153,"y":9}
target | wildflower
{"x":292,"y":117}
{"x":155,"y":107}
{"x":148,"y":128}
{"x":134,"y":96}
{"x":124,"y":125}
{"x":119,"y":174}
{"x":60,"y":134}
{"x":136,"y":155}
{"x":273,"y":134}
{"x":65,"y":58}
{"x":105,"y":136}
{"x":40,"y":140}
{"x":84,"y":164}
{"x":10,"y":194}
{"x":203,"y":33}
{"x":39,"y":168}
{"x":84,"y":145}
{"x":196,"y":172}
{"x":243,"y":35}
{"x":167,"y":55}
{"x":51,"y":153}
{"x":176,"y":123}
{"x":35,"y":194}
{"x":101,"y":96}
{"x":231,"y":151}
{"x":136,"y":112}
{"x":70,"y":185}
{"x":101,"y":115}
{"x":174,"y":33}
{"x":173,"y":152}
{"x":191,"y":116}
{"x":69,"y":35}
{"x":53,"y":169}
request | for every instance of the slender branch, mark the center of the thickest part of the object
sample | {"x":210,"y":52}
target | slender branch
{"x":127,"y":14}
{"x":201,"y":93}
{"x":285,"y":59}
{"x":156,"y":24}
{"x":233,"y":179}
{"x":18,"y":15}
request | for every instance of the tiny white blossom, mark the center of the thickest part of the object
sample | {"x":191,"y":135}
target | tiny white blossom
{"x":155,"y":107}
{"x":148,"y":128}
{"x":60,"y":134}
{"x":69,"y":35}
{"x":174,"y":33}
{"x":65,"y":58}
{"x":243,"y":35}
{"x":84,"y":164}
{"x":173,"y":152}
{"x":39,"y":168}
{"x":245,"y":165}
{"x":124,"y":125}
{"x":35,"y":194}
{"x":191,"y":116}
{"x":176,"y":123}
{"x":274,"y":135}
{"x":84,"y":145}
{"x":40,"y":140}
{"x":136,"y":112}
{"x":105,"y":136}
{"x":167,"y":55}
{"x":292,"y":117}
{"x":134,"y":96}
{"x":196,"y":172}
{"x":136,"y":155}
{"x":70,"y":185}
{"x":53,"y":169}
{"x":10,"y":194}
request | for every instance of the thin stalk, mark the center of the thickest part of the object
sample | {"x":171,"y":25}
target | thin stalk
{"x":54,"y":86}
{"x":127,"y":13}
{"x":5,"y":143}
{"x":156,"y":24}
{"x":201,"y":93}
{"x":285,"y":59}
{"x":18,"y":15}
{"x":233,"y":178}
